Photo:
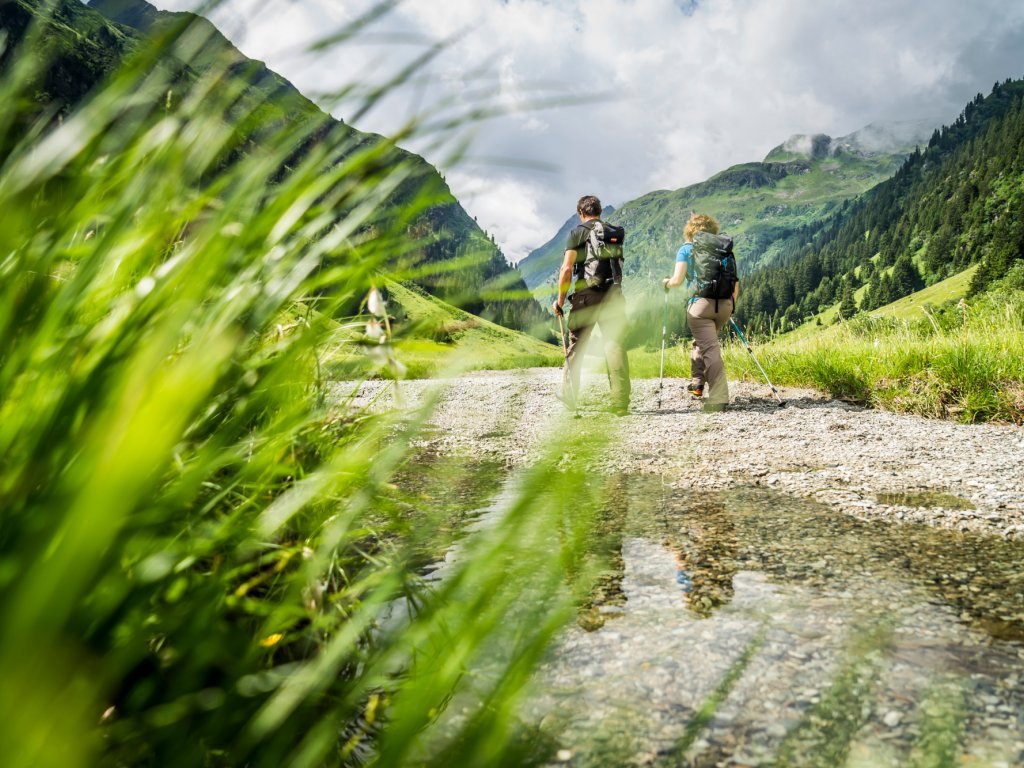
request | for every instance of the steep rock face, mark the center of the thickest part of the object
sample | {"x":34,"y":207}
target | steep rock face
{"x":132,"y":13}
{"x":801,"y":146}
{"x":74,"y":67}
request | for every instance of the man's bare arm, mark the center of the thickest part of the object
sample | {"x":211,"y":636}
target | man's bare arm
{"x":564,"y":279}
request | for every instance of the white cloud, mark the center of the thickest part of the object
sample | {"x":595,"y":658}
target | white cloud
{"x":694,"y":87}
{"x":505,"y":208}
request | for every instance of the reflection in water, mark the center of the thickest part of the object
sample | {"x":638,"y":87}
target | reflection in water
{"x":705,"y":551}
{"x":751,"y":628}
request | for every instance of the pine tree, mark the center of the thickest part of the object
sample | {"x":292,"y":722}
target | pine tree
{"x":848,"y":305}
{"x":905,"y":277}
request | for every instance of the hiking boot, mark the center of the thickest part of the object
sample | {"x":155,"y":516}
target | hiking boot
{"x":714,"y":407}
{"x":618,"y":410}
{"x":695,"y":390}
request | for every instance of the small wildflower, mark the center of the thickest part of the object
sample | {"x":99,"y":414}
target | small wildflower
{"x":375,"y":303}
{"x":374,"y":331}
{"x":145,"y":287}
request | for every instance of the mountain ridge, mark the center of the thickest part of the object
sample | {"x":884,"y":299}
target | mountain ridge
{"x":877,"y":138}
{"x":86,"y":47}
{"x":761,"y":203}
{"x":958,"y":203}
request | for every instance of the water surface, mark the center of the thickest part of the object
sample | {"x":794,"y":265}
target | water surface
{"x":751,"y":628}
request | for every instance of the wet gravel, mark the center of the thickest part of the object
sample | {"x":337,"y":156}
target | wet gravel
{"x":866,"y":463}
{"x":767,"y":603}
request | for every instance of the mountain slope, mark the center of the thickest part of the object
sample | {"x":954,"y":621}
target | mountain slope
{"x":436,"y":339}
{"x":82,"y":48}
{"x":762,"y":204}
{"x":958,"y":203}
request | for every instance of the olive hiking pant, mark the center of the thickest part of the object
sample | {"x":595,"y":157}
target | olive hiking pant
{"x":706,"y":366}
{"x":590,"y":308}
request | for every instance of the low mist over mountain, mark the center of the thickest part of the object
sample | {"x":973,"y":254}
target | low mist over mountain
{"x":894,"y":138}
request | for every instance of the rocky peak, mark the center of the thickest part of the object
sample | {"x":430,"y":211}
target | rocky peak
{"x":881,"y":138}
{"x":801,"y":146}
{"x":137,"y":14}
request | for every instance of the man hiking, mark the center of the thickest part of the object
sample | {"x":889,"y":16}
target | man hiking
{"x":593,"y":268}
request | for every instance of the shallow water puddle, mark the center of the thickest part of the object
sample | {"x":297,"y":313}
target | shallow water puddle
{"x":760,"y":629}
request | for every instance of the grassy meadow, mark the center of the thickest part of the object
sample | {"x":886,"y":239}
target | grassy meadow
{"x":434,"y":339}
{"x":934,"y":353}
{"x":958,"y":361}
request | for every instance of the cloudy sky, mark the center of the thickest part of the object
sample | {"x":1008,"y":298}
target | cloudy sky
{"x":621,"y":97}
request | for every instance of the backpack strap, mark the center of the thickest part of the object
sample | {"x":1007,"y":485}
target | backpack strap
{"x":577,"y":268}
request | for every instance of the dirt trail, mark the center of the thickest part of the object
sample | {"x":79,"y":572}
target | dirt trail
{"x":863,"y":462}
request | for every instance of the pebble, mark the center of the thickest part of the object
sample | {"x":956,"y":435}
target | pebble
{"x":892,"y":718}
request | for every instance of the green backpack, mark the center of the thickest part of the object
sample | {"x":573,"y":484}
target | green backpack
{"x":713,"y":266}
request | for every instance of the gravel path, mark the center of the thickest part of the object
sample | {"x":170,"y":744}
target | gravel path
{"x":870,"y":464}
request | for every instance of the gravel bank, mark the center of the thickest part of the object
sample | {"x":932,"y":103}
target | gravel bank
{"x":870,"y":464}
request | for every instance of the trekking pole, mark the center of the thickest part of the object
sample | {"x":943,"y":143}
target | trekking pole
{"x":664,"y":333}
{"x":565,"y":353}
{"x":754,"y":358}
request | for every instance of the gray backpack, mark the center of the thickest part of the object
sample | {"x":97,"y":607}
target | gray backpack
{"x":602,"y":265}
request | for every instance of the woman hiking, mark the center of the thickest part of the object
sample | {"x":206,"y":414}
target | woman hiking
{"x":705,"y":262}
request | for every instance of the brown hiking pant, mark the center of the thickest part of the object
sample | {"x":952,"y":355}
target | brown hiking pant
{"x":607,"y":309}
{"x":706,"y":366}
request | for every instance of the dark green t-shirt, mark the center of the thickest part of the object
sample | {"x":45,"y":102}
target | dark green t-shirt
{"x":577,"y":241}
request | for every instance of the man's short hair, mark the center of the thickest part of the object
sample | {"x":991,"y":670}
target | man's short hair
{"x":588,"y":206}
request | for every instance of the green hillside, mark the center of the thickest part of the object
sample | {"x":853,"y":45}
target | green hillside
{"x":931,"y":353}
{"x":916,"y":306}
{"x":911,"y":307}
{"x":957,"y":204}
{"x":762,"y":204}
{"x":436,"y":339}
{"x":79,"y":49}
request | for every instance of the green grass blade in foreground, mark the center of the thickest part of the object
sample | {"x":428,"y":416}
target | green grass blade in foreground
{"x":942,"y":721}
{"x":193,"y":529}
{"x":825,"y":733}
{"x":707,"y":710}
{"x":494,"y":623}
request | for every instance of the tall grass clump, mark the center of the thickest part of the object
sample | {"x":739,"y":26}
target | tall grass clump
{"x":202,"y":560}
{"x":961,"y":361}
